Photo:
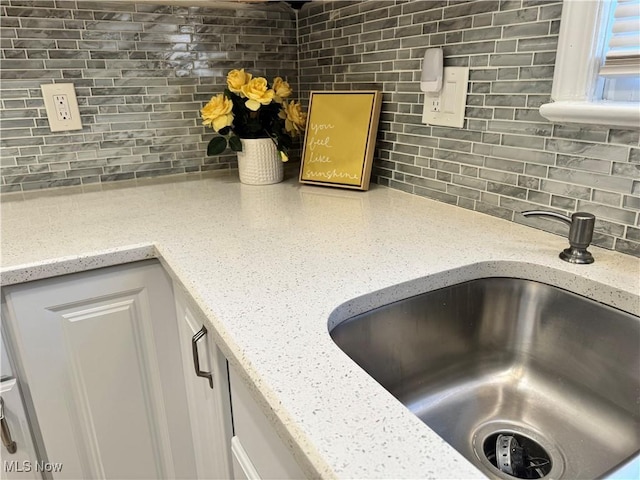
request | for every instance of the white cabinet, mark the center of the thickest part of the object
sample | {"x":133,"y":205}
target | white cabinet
{"x":102,"y":370}
{"x":258,"y":452}
{"x":207,"y":393}
{"x":121,"y":380}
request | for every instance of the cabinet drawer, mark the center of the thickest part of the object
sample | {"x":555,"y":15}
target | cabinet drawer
{"x":266,"y":452}
{"x":243,"y":468}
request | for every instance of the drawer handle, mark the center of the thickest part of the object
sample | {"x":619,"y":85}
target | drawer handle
{"x":7,"y":441}
{"x":196,"y":359}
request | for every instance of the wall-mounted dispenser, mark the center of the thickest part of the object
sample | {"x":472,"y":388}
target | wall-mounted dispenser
{"x":445,"y":90}
{"x":432,"y":67}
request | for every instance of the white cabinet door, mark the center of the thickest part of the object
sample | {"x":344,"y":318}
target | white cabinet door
{"x":98,"y":356}
{"x":207,"y":397}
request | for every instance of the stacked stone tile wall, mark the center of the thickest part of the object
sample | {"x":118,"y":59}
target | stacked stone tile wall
{"x":141,"y":73}
{"x":506,"y":158}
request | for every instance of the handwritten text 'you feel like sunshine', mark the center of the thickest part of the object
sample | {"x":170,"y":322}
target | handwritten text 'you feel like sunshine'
{"x":319,"y":141}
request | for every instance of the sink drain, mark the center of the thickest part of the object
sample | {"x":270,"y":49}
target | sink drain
{"x":508,"y":450}
{"x":517,"y":455}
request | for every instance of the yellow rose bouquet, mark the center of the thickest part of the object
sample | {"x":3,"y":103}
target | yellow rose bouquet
{"x":250,"y":107}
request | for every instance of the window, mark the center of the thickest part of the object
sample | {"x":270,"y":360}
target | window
{"x":621,"y":65}
{"x":597,"y":73}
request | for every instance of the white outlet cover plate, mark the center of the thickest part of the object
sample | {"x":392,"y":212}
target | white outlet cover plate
{"x":74,"y":122}
{"x":451,"y":100}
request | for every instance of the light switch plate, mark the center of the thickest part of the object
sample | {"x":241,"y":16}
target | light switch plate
{"x":446,"y":107}
{"x":62,"y":106}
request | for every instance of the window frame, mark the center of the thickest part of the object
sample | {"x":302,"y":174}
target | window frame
{"x":576,"y":79}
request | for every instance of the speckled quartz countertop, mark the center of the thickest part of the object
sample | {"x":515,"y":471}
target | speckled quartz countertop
{"x":272,"y":266}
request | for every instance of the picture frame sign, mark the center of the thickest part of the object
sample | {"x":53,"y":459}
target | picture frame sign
{"x":340,"y":138}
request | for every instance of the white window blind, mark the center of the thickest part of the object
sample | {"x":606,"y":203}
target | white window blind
{"x":623,"y":53}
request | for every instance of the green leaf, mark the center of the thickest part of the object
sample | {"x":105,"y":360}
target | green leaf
{"x":224,"y":131}
{"x":216,"y":146}
{"x":235,"y":144}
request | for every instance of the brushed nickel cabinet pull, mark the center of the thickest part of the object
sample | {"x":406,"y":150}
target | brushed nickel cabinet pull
{"x":7,"y":441}
{"x":196,"y":360}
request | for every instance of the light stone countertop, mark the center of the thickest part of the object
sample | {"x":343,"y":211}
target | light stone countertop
{"x":272,"y":266}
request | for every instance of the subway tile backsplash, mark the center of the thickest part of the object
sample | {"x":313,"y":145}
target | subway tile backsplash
{"x":507,"y":158}
{"x":143,"y":71}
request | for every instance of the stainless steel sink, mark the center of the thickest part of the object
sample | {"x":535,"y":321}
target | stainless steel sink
{"x":524,"y":379}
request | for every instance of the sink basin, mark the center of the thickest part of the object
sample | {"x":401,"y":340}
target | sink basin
{"x":524,"y":379}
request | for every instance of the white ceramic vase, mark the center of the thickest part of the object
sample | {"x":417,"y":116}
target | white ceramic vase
{"x":259,"y":162}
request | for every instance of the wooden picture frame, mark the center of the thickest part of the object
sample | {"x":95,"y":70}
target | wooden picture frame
{"x":340,"y":138}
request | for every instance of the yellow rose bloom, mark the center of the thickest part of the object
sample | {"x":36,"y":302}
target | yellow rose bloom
{"x":294,"y":118}
{"x":281,"y":88}
{"x":236,"y":79}
{"x":257,"y":93}
{"x":217,"y":113}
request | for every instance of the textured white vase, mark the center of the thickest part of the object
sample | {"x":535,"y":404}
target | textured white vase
{"x":259,"y":162}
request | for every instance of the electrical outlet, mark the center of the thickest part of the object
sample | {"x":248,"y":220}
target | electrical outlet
{"x":62,"y":107}
{"x":446,"y":107}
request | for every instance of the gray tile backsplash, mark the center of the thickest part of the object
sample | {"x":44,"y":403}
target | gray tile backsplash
{"x":507,"y":158}
{"x":143,"y":71}
{"x":141,"y":74}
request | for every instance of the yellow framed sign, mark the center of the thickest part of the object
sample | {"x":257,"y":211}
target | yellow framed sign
{"x":340,"y":138}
